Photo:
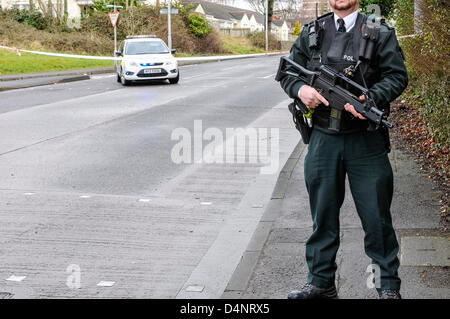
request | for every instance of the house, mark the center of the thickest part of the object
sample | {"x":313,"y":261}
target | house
{"x":226,"y":17}
{"x":74,"y":7}
{"x":236,"y":21}
{"x":280,"y":29}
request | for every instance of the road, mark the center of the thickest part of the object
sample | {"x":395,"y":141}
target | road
{"x":87,"y":180}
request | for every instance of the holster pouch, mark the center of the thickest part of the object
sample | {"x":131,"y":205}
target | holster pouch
{"x":300,"y":123}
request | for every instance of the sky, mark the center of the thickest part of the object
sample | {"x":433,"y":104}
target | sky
{"x":239,"y":4}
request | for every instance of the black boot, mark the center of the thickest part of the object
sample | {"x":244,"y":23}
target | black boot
{"x":389,"y":294}
{"x":309,"y":291}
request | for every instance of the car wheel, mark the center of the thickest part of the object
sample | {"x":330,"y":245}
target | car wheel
{"x":124,"y":81}
{"x":175,"y":80}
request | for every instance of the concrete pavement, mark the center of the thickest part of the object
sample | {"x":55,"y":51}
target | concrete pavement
{"x":21,"y":81}
{"x":87,"y":182}
{"x":274,"y":262}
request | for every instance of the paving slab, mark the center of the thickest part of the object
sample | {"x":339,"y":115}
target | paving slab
{"x":281,"y":266}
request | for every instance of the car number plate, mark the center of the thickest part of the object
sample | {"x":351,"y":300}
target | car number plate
{"x":152,"y":71}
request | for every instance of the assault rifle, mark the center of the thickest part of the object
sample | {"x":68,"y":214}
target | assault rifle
{"x":334,"y":87}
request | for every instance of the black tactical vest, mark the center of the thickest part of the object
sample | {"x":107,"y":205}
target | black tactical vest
{"x":340,"y":50}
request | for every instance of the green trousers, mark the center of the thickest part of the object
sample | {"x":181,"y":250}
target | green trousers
{"x":363,"y":158}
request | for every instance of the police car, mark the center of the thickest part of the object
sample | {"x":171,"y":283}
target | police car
{"x":145,"y":57}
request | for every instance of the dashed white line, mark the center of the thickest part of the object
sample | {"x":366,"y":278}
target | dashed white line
{"x":106,"y":283}
{"x":96,"y":77}
{"x":16,"y":278}
{"x":268,"y":76}
{"x":194,"y":76}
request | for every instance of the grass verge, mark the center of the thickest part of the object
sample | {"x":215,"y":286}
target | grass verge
{"x":11,"y":63}
{"x":239,"y":45}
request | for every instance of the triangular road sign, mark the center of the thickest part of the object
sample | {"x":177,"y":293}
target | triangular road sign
{"x":113,"y":17}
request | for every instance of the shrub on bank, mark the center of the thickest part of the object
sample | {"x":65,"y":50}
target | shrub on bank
{"x":22,"y":35}
{"x":147,"y":20}
{"x":30,"y":17}
{"x":258,"y":39}
{"x":427,"y":59}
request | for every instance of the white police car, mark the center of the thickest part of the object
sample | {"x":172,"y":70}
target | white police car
{"x":145,"y":57}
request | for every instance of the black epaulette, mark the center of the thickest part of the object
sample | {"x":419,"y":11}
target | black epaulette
{"x":315,"y":31}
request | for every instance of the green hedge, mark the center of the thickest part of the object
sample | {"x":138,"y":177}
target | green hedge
{"x":427,"y":59}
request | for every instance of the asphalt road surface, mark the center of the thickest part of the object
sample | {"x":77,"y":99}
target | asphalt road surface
{"x":88,"y":189}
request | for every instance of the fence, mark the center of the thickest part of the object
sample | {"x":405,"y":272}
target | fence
{"x":235,"y":33}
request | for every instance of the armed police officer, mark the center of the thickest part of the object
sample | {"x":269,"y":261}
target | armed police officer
{"x":342,"y":142}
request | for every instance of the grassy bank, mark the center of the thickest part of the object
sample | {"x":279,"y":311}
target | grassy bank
{"x":239,"y":45}
{"x":11,"y":63}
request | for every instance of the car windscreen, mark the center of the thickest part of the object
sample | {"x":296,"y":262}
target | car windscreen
{"x":146,"y":47}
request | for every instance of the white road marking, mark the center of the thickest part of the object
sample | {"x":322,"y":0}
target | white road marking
{"x":267,"y":76}
{"x":195,"y":288}
{"x":96,"y":77}
{"x":206,"y":203}
{"x":85,"y":196}
{"x":28,"y":193}
{"x":195,"y":76}
{"x":106,"y":283}
{"x":16,"y":278}
{"x":145,"y":200}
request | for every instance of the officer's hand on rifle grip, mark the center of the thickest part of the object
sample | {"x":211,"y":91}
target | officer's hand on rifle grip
{"x":311,"y":97}
{"x":350,"y":108}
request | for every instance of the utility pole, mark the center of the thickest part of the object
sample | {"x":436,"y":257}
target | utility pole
{"x":267,"y":26}
{"x":169,"y":27}
{"x":115,"y":31}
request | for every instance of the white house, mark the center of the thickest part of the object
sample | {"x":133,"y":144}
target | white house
{"x":280,"y":29}
{"x":74,"y":7}
{"x":223,"y":17}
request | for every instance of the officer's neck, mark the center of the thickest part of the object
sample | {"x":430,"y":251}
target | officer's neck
{"x":343,"y":13}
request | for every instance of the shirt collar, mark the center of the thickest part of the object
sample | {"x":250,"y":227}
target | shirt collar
{"x":349,"y":20}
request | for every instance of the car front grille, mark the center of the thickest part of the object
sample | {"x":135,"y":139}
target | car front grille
{"x":141,"y":74}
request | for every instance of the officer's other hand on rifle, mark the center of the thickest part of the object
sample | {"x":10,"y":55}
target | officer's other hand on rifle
{"x":350,"y":108}
{"x":311,"y":97}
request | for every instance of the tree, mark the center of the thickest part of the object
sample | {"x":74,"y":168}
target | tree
{"x":287,"y":9}
{"x":297,"y":28}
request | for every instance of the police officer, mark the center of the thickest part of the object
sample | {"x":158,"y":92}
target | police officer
{"x":348,"y":148}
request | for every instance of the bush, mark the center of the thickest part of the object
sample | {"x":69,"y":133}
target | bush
{"x":147,"y":20}
{"x":427,"y":59}
{"x":33,"y":18}
{"x":386,"y":6}
{"x":96,"y":35}
{"x":258,"y":39}
{"x":198,"y":25}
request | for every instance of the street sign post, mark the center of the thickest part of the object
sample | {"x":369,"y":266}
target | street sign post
{"x":113,"y":17}
{"x":165,"y":11}
{"x":169,"y":12}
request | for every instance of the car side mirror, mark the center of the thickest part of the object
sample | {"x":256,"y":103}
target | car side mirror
{"x":173,"y":51}
{"x":118,"y":53}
